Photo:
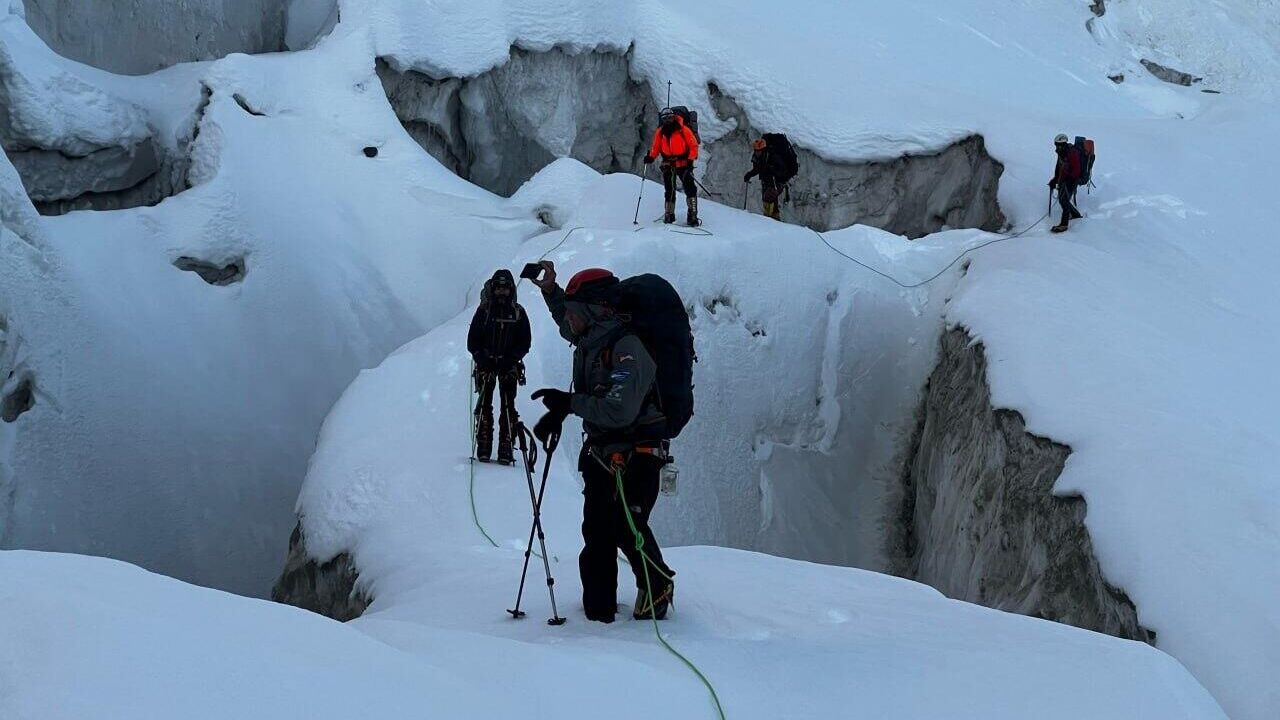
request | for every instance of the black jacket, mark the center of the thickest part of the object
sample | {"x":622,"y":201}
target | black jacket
{"x":767,"y":165}
{"x":499,"y":337}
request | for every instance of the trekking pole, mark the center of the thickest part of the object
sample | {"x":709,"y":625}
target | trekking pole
{"x":705,"y":190}
{"x":668,"y":93}
{"x":746,"y":188}
{"x":643,"y":179}
{"x":529,"y":451}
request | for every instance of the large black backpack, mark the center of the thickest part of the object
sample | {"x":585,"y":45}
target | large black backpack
{"x":1085,"y":148}
{"x":650,"y":308}
{"x":780,"y":147}
{"x":690,"y":118}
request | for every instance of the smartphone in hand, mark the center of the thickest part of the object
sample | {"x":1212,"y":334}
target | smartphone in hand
{"x":533,"y":271}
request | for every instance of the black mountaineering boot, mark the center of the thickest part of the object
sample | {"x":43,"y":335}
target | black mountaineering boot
{"x":505,"y":454}
{"x":484,"y":435}
{"x":669,"y":216}
{"x":692,"y":218}
{"x":645,"y":610}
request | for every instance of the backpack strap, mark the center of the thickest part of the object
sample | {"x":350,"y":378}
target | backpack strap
{"x":653,"y":397}
{"x":606,"y":355}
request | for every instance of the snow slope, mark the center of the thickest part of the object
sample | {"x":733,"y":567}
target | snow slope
{"x":1137,"y":338}
{"x":811,"y":380}
{"x":173,"y":419}
{"x":390,"y":482}
{"x":1148,"y":356}
{"x":85,"y":638}
{"x":91,"y":638}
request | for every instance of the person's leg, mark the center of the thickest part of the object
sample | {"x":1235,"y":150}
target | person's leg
{"x":598,"y":564}
{"x":1065,"y":190}
{"x":669,"y":194}
{"x":640,"y":483}
{"x":485,"y":382}
{"x":690,"y":194}
{"x":769,"y":197}
{"x":507,"y":417}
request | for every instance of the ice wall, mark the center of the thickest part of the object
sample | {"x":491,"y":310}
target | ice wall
{"x":135,"y":37}
{"x":501,"y":127}
{"x":912,"y":195}
{"x":978,"y":518}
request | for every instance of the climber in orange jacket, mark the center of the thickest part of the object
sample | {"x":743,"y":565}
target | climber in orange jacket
{"x":678,"y":146}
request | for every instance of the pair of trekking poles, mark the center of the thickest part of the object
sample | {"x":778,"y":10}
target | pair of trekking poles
{"x":635,"y":220}
{"x":529,"y":454}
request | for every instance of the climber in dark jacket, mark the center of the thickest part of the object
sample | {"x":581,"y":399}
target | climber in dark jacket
{"x":498,"y":341}
{"x":614,"y":389}
{"x":1066,"y":179}
{"x":769,"y":167}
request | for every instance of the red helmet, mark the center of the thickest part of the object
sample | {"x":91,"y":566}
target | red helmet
{"x":588,"y":285}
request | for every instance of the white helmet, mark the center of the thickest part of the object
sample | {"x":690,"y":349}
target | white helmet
{"x":1061,"y":138}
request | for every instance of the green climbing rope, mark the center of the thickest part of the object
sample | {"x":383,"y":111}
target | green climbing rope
{"x":648,"y":563}
{"x":471,"y":462}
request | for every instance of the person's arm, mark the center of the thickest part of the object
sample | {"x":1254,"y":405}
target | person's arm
{"x":475,"y":336}
{"x":691,"y":141}
{"x":655,"y":146}
{"x":632,"y":378}
{"x":553,"y":296}
{"x":523,"y":337}
{"x":555,"y":303}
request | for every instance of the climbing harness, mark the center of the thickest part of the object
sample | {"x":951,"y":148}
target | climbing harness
{"x":529,"y":452}
{"x":648,"y":583}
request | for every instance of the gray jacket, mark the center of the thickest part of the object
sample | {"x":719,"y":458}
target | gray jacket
{"x":611,"y":394}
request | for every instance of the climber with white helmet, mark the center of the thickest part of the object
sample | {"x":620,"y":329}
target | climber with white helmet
{"x":1066,"y":179}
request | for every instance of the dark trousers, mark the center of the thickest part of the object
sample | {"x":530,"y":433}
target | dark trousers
{"x":605,"y":530}
{"x":671,"y":173}
{"x":505,"y":381}
{"x":1066,"y":198}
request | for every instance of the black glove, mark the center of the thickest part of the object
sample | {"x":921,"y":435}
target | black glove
{"x":648,"y":159}
{"x":556,"y":401}
{"x":747,"y":178}
{"x":1053,"y":183}
{"x":549,"y":424}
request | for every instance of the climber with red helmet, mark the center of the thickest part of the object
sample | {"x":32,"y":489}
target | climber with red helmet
{"x":614,"y":384}
{"x":678,"y":147}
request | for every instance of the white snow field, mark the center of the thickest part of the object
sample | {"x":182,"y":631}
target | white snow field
{"x":173,"y":419}
{"x":86,"y":638}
